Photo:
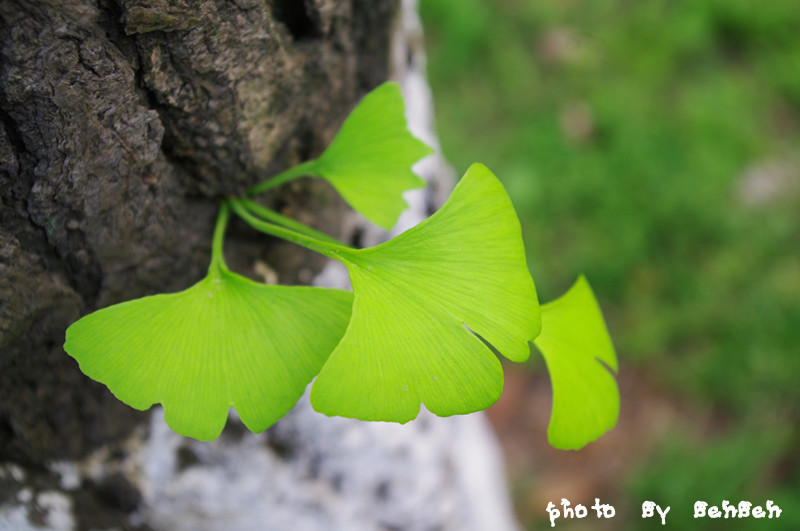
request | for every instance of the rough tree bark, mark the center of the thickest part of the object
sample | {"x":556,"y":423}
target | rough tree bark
{"x":122,"y":120}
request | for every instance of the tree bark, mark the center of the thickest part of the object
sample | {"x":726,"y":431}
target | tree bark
{"x":122,"y":121}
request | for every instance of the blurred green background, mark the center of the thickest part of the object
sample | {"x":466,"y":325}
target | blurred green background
{"x":653,"y":145}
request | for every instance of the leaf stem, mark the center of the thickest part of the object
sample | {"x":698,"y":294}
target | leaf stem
{"x":329,"y":249}
{"x":217,"y":256}
{"x":294,"y":172}
{"x":274,"y":217}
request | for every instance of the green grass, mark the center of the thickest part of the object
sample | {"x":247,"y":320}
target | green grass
{"x":733,"y":467}
{"x":624,"y":133}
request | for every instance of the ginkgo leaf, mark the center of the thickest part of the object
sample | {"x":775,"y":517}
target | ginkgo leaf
{"x":578,"y":351}
{"x":369,"y":161}
{"x":225,"y":342}
{"x":420,"y":302}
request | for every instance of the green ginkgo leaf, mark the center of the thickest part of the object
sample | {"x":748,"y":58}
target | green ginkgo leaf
{"x":225,"y":342}
{"x":369,"y":161}
{"x":420,"y":302}
{"x":574,"y":341}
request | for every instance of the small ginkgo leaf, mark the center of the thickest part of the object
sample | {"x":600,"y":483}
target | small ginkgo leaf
{"x":225,"y":342}
{"x":369,"y":161}
{"x":578,"y":351}
{"x":420,"y":302}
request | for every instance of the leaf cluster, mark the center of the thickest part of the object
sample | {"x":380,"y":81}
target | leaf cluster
{"x":428,"y":310}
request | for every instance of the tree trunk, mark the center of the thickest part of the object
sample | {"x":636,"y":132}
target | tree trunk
{"x":122,"y":121}
{"x":121,"y":124}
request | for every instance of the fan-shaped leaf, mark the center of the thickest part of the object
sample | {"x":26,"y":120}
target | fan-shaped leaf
{"x":407,"y":341}
{"x":225,"y":342}
{"x":574,"y":340}
{"x":369,"y":161}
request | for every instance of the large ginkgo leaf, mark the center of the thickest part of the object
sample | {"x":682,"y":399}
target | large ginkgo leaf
{"x":369,"y":161}
{"x":225,"y":342}
{"x":419,"y":301}
{"x":574,"y":341}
